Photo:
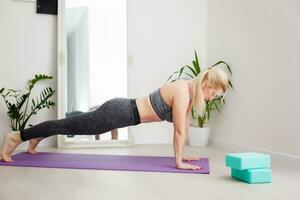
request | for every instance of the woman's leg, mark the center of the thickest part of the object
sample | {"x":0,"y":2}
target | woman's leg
{"x":114,"y":113}
{"x":35,"y":141}
{"x":114,"y":134}
{"x":10,"y":142}
{"x":33,"y":144}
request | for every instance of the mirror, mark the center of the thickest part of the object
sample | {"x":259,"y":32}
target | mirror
{"x":92,"y":63}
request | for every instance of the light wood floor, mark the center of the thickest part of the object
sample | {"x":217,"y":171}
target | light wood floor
{"x":22,"y":183}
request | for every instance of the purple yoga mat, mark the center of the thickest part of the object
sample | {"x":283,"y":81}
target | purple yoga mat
{"x":103,"y":162}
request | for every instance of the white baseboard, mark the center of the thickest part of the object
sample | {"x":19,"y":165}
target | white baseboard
{"x":277,"y":157}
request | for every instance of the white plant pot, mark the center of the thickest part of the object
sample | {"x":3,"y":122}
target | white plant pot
{"x":198,"y":136}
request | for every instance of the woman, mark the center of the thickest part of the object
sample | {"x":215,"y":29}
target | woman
{"x":171,"y":102}
{"x":114,"y":132}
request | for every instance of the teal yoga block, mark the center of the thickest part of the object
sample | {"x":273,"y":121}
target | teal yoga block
{"x":262,"y":175}
{"x":249,"y":160}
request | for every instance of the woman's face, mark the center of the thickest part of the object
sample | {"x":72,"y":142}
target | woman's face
{"x":210,"y":92}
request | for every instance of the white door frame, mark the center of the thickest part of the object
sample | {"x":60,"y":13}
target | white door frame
{"x":62,"y":141}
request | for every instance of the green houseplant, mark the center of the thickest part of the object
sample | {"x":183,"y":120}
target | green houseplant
{"x":190,"y":72}
{"x":17,"y":102}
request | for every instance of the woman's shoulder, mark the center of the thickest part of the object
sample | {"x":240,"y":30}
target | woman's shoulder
{"x":178,"y":86}
{"x":174,"y":90}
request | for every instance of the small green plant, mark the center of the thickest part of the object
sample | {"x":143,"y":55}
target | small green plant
{"x":192,"y":72}
{"x":16,"y":99}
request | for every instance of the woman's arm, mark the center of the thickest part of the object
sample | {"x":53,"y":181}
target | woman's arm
{"x":187,"y":126}
{"x":179,"y":111}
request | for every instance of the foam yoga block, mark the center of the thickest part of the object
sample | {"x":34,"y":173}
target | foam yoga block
{"x":259,"y":175}
{"x":249,"y":160}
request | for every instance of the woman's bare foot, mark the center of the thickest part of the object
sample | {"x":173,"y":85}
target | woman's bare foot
{"x":32,"y":145}
{"x":10,"y":142}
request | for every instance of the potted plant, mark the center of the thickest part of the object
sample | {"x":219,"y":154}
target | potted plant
{"x":199,"y":129}
{"x":15,"y":100}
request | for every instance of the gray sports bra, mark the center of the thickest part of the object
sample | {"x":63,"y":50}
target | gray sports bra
{"x":160,"y":107}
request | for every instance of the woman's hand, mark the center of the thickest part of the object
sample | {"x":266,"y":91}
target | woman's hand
{"x":190,"y":158}
{"x":188,"y":166}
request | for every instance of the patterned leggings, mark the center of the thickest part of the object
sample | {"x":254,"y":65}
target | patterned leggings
{"x":115,"y":113}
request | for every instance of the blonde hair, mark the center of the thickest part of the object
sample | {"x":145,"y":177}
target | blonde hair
{"x":216,"y":77}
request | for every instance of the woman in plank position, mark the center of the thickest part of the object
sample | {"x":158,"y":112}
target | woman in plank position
{"x":171,"y":102}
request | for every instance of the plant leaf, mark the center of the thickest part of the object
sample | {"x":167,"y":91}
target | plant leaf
{"x":38,"y":77}
{"x":171,"y":76}
{"x":229,"y":82}
{"x":223,"y":62}
{"x":188,"y":75}
{"x":22,"y":100}
{"x":196,"y":63}
{"x":194,"y":72}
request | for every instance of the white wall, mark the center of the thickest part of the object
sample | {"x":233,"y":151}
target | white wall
{"x":261,"y":40}
{"x":28,"y":45}
{"x":162,"y":36}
